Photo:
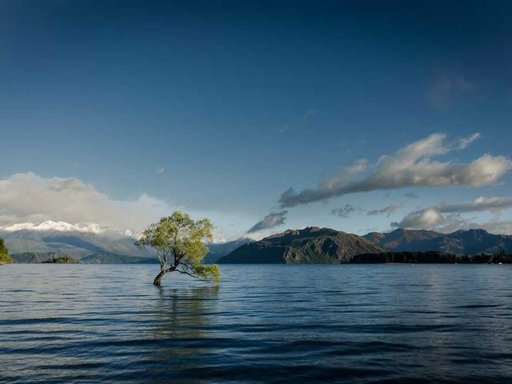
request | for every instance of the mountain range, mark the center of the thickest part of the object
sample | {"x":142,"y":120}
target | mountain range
{"x":93,"y":244}
{"x":470,"y":242}
{"x":325,"y":245}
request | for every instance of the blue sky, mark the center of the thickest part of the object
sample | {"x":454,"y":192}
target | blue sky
{"x":218,"y":108}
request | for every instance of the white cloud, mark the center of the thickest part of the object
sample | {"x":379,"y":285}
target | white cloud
{"x":29,"y":198}
{"x":499,"y":227}
{"x":346,"y":174}
{"x":424,"y":219}
{"x":447,"y":217}
{"x":466,"y":141}
{"x":411,"y":166}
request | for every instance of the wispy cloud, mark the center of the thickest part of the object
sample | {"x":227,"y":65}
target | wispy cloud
{"x":272,"y":220}
{"x":466,"y":141}
{"x":388,"y":211}
{"x":446,"y":88}
{"x":482,"y":203}
{"x":410,"y":166}
{"x":284,"y":128}
{"x":346,"y":211}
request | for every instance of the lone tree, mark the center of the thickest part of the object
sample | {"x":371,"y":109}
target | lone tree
{"x":179,"y":244}
{"x":4,"y":254}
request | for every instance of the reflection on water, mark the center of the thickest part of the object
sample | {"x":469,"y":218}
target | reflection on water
{"x":364,"y":324}
{"x":182,"y":318}
{"x":184,"y":312}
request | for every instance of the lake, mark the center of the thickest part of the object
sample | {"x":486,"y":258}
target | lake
{"x":387,"y":323}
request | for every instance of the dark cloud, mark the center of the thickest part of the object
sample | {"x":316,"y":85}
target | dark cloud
{"x":345,"y":211}
{"x":384,"y":211}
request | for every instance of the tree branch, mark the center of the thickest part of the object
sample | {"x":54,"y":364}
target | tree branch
{"x":194,"y":276}
{"x":186,"y":265}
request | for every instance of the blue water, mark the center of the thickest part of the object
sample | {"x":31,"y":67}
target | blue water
{"x":276,"y":324}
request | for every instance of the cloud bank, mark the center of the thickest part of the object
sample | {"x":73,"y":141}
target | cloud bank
{"x":27,"y":197}
{"x":410,"y":166}
{"x":447,"y":217}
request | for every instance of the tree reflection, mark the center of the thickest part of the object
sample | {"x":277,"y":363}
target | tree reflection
{"x":185,"y":313}
{"x":183,"y":320}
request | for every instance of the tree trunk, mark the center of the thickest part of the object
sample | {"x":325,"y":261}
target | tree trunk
{"x":158,"y":278}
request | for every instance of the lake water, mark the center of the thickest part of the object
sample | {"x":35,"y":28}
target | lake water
{"x":276,"y":324}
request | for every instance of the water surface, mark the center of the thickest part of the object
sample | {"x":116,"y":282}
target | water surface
{"x":275,"y":323}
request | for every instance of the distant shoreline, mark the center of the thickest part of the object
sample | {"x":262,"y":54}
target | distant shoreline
{"x":429,"y":257}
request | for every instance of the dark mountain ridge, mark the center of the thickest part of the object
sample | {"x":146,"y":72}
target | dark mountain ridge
{"x":308,"y":245}
{"x":470,"y":242}
{"x":325,"y":245}
{"x":303,"y":246}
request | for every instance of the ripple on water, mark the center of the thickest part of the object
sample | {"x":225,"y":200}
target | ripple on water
{"x":276,"y":324}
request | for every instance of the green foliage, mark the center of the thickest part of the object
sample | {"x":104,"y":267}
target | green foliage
{"x":4,"y":254}
{"x":208,"y":272}
{"x":179,"y":243}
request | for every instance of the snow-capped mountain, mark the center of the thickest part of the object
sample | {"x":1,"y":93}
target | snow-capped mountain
{"x":59,"y":226}
{"x":91,"y":243}
{"x":88,"y":242}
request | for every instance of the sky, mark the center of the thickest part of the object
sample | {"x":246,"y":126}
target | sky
{"x":261,"y":115}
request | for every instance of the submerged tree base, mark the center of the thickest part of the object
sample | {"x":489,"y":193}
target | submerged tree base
{"x":158,"y":279}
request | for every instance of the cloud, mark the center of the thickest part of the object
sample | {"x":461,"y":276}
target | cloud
{"x":424,"y":219}
{"x":499,"y":227}
{"x":272,"y":220}
{"x":482,"y":203}
{"x":465,"y":141}
{"x":445,"y":89}
{"x":410,"y":166}
{"x":346,"y":173}
{"x":447,"y":217}
{"x":384,"y":211}
{"x":160,"y":170}
{"x":27,"y":197}
{"x":345,"y":211}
